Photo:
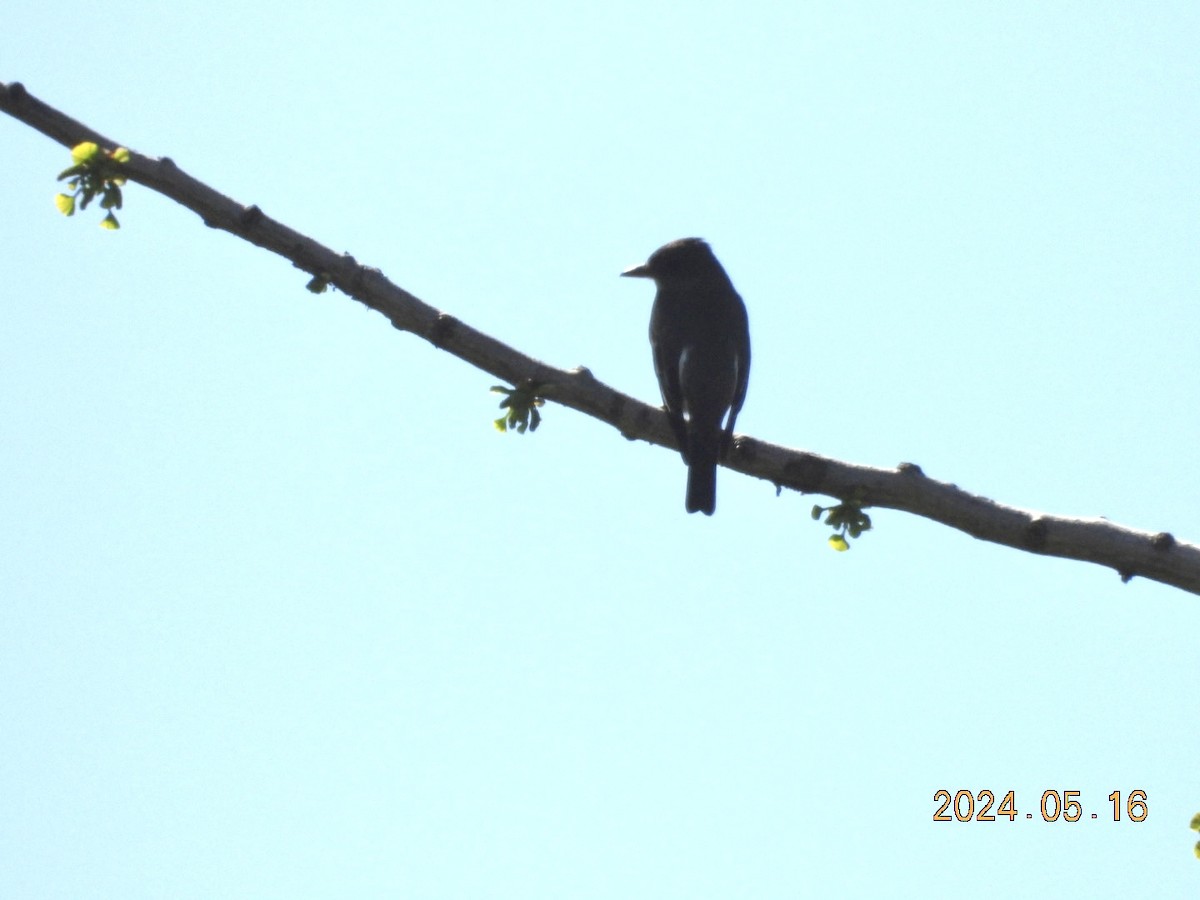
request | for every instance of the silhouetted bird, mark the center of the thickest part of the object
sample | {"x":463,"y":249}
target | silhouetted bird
{"x":701,"y":342}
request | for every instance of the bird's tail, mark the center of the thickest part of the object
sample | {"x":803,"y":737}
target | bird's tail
{"x":702,"y":475}
{"x":702,"y":487}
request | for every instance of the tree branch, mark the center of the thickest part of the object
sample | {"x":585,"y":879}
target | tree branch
{"x":1155,"y":556}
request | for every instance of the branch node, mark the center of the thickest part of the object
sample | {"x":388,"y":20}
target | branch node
{"x":743,"y":448}
{"x":911,"y":469}
{"x":1035,"y":535}
{"x":250,"y":216}
{"x":443,"y":327}
{"x":1163,"y":541}
{"x":16,"y":92}
{"x":1126,"y":575}
{"x":356,"y":278}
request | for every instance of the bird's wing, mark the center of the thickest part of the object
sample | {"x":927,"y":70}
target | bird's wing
{"x":742,"y":332}
{"x":665,"y":343}
{"x":666,"y":367}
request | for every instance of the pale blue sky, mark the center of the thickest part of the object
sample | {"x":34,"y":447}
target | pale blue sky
{"x":282,"y":615}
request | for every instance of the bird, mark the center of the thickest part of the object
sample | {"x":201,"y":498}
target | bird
{"x":700,"y":338}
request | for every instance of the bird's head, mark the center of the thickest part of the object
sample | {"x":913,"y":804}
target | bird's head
{"x":678,"y":261}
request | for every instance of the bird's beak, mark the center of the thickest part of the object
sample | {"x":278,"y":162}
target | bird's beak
{"x":642,"y":271}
